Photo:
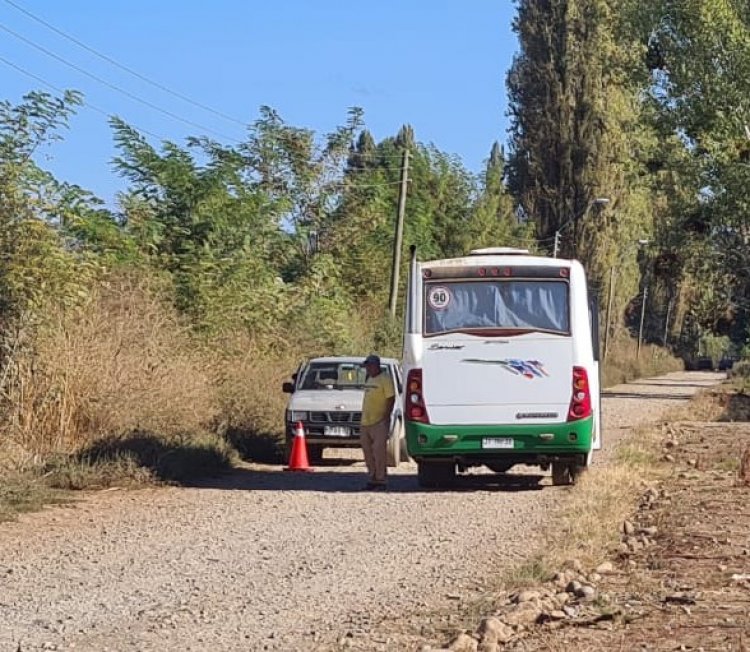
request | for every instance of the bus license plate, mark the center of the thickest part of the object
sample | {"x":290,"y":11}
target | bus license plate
{"x":497,"y":442}
{"x":336,"y":431}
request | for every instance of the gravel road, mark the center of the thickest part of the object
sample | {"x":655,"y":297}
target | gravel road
{"x":263,"y":559}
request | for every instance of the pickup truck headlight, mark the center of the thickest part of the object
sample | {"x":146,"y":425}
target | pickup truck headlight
{"x":296,"y":415}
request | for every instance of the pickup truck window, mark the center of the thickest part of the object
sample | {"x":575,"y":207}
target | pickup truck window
{"x":334,"y":375}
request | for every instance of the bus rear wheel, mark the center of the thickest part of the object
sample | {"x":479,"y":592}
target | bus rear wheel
{"x":431,"y":474}
{"x":562,"y":473}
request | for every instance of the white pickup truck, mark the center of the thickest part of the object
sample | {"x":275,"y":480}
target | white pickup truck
{"x":326,"y":397}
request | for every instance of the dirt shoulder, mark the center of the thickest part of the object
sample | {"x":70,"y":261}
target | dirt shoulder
{"x":679,"y":577}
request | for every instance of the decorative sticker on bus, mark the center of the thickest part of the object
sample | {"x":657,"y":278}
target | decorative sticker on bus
{"x":529,"y":369}
{"x":439,"y":297}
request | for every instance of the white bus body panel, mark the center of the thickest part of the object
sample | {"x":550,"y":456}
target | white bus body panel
{"x":470,"y":380}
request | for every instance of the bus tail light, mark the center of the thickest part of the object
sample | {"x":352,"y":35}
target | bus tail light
{"x":580,"y":403}
{"x":415,"y":407}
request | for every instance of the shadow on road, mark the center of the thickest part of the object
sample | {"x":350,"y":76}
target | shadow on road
{"x":670,"y":383}
{"x":646,"y":395}
{"x":328,"y":481}
{"x":666,"y":389}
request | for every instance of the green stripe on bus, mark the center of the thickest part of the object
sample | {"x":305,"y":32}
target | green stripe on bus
{"x":572,"y":437}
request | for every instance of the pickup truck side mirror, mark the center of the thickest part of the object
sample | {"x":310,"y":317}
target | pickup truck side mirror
{"x":288,"y":388}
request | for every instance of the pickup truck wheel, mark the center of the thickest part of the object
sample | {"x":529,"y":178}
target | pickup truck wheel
{"x":393,"y":452}
{"x":315,"y":454}
{"x":432,"y":474}
{"x":288,"y":448}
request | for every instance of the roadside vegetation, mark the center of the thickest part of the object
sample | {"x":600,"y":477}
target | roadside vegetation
{"x":148,"y":342}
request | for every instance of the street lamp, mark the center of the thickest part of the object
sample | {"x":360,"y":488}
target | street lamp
{"x":599,"y":201}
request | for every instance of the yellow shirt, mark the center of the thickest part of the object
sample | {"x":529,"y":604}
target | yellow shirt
{"x":377,"y":392}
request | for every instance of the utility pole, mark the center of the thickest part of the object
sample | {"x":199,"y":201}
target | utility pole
{"x":666,"y":323}
{"x":610,"y":299}
{"x":643,"y":314}
{"x":399,"y":234}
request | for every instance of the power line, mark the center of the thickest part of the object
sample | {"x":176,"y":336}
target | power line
{"x":114,"y":87}
{"x":86,"y":104}
{"x":115,"y":63}
{"x":98,"y":109}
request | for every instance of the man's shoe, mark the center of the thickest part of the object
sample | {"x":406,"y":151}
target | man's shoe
{"x":377,"y":486}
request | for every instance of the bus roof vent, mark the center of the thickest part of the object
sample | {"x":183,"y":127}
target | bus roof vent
{"x":499,"y":251}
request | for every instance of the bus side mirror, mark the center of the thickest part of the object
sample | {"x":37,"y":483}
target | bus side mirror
{"x":288,"y":388}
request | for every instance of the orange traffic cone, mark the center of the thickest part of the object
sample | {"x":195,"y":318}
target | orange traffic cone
{"x":298,"y":456}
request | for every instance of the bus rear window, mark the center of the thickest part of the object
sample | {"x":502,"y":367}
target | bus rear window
{"x":496,"y":304}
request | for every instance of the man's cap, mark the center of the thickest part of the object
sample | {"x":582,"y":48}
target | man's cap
{"x":372,"y":359}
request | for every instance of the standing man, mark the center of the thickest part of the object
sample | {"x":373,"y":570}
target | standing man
{"x":377,"y":407}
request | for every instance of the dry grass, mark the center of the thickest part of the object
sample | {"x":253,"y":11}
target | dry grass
{"x":86,"y":472}
{"x":531,"y":572}
{"x":122,"y":363}
{"x":141,"y":458}
{"x":707,"y":405}
{"x":699,"y":554}
{"x":623,"y":364}
{"x":249,"y":381}
{"x":740,"y":375}
{"x":604,"y":497}
{"x":113,"y":392}
{"x":22,"y":492}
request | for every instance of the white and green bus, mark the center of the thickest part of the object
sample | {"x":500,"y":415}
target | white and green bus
{"x":501,"y":357}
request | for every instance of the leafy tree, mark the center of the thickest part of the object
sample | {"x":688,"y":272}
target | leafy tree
{"x":699,"y":60}
{"x":493,"y":220}
{"x":577,"y":133}
{"x":38,"y":265}
{"x":206,"y":225}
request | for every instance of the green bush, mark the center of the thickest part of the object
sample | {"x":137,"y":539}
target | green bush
{"x":714,"y":346}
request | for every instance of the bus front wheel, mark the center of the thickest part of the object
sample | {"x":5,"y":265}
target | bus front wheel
{"x":432,"y":474}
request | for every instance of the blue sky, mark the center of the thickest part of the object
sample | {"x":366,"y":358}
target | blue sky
{"x":438,"y":65}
